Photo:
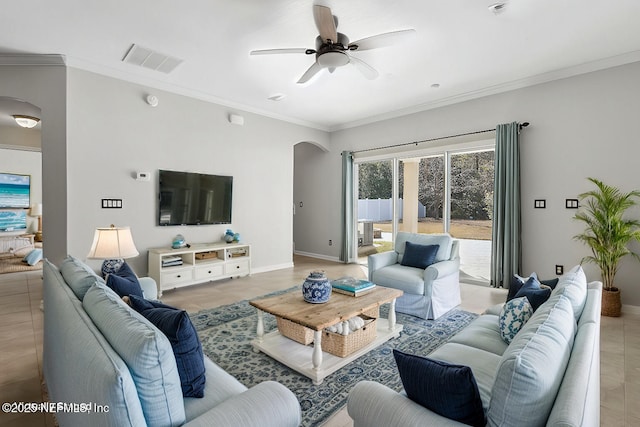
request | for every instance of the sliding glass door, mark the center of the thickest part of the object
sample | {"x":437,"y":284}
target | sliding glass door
{"x":471,"y":208}
{"x":450,"y":191}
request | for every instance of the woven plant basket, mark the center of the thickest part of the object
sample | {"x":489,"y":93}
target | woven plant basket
{"x":611,"y":305}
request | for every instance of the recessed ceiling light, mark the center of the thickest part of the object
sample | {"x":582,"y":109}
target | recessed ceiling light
{"x":435,"y":85}
{"x":498,"y":7}
{"x":277,"y":97}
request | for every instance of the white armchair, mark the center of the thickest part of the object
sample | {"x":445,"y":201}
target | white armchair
{"x":428,"y":292}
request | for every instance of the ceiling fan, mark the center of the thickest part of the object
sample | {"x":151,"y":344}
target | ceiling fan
{"x":332,"y":48}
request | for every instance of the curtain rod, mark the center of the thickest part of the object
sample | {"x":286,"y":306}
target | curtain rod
{"x":404,"y":144}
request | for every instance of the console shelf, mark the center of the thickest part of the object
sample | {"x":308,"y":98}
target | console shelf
{"x":199,"y":263}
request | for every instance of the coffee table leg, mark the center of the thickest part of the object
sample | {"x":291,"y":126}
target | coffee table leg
{"x":392,"y":315}
{"x":260,"y":329}
{"x":316,"y":358}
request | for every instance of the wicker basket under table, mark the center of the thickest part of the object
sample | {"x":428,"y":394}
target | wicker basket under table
{"x":333,"y":343}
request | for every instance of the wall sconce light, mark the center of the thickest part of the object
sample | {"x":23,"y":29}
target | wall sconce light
{"x":26,"y":121}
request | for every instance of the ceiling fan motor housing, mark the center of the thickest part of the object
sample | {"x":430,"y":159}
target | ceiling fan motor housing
{"x":332,"y":54}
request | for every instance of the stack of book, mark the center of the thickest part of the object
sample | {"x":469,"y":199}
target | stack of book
{"x":351,"y":286}
{"x":170,"y":261}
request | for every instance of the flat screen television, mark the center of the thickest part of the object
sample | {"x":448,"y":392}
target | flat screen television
{"x":188,"y":198}
{"x":15,"y":191}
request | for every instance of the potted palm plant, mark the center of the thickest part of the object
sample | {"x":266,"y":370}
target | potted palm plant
{"x":608,"y":233}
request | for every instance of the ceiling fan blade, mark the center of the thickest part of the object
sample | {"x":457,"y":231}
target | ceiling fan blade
{"x":278,"y":51}
{"x":382,"y":40}
{"x":325,"y":23}
{"x":312,"y":71}
{"x":367,"y":70}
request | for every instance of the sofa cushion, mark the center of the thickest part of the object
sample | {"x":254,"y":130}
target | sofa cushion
{"x":534,"y":293}
{"x":79,"y":276}
{"x":124,"y":282}
{"x":419,"y":256}
{"x":443,"y":240}
{"x":517,"y":282}
{"x":219,"y":386}
{"x":533,"y":366}
{"x":410,"y":280}
{"x":33,"y":257}
{"x":514,"y":315}
{"x":146,"y":351}
{"x":446,"y":389}
{"x":177,"y":326}
{"x":483,"y":333}
{"x":573,"y":285}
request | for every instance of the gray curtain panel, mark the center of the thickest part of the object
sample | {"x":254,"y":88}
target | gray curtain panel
{"x":346,"y":254}
{"x":506,"y":254}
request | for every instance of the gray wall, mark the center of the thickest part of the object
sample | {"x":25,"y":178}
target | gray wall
{"x":113,"y":133}
{"x":581,"y":126}
{"x":45,"y":87}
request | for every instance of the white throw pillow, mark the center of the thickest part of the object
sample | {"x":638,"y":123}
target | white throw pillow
{"x":513,"y":316}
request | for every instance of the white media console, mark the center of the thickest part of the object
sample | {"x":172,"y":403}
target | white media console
{"x":199,"y":263}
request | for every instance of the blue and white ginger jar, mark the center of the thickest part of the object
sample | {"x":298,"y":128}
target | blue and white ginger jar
{"x":316,"y":288}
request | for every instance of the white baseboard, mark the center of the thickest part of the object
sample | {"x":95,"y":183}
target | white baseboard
{"x":630,"y":309}
{"x":318,"y":256}
{"x":272,"y":268}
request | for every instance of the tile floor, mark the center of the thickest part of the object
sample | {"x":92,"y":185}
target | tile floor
{"x":21,"y":336}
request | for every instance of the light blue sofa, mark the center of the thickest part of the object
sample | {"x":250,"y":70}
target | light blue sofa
{"x":548,"y":375}
{"x":83,"y":365}
{"x":428,"y":293}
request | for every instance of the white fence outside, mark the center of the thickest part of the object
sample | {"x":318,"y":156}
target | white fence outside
{"x":380,"y":210}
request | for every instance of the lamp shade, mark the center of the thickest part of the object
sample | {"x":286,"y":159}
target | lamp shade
{"x":36,"y":209}
{"x":113,"y":243}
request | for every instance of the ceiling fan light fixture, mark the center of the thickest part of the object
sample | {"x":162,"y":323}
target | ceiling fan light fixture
{"x":26,"y":121}
{"x":333,"y":59}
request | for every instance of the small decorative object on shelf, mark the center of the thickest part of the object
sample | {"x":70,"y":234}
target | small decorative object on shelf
{"x":316,"y":288}
{"x":230,"y":236}
{"x":178,"y":242}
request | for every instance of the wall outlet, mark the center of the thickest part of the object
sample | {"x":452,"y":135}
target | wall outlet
{"x":559,"y":269}
{"x":330,"y":242}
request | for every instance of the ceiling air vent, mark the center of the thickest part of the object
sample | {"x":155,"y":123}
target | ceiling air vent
{"x":145,"y":57}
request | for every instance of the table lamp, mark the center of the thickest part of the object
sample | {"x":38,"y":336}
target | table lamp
{"x":113,"y":245}
{"x":36,"y":211}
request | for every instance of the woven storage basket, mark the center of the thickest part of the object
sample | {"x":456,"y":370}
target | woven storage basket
{"x":343,"y":345}
{"x":294,"y":331}
{"x":611,"y":304}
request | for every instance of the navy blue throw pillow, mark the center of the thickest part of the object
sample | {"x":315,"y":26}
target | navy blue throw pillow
{"x":534,"y":293}
{"x":124,"y":282}
{"x":516,"y":283}
{"x":182,"y":335}
{"x":446,"y":389}
{"x":419,"y":256}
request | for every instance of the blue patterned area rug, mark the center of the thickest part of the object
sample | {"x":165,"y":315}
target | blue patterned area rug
{"x":226,"y":333}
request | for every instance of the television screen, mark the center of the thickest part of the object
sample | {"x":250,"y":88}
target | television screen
{"x":14,"y":190}
{"x":187,"y":198}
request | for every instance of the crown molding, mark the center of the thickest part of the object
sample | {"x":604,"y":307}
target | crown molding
{"x":588,"y":67}
{"x":31,"y":59}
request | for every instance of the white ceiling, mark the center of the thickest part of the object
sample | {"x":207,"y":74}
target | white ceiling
{"x":459,"y":44}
